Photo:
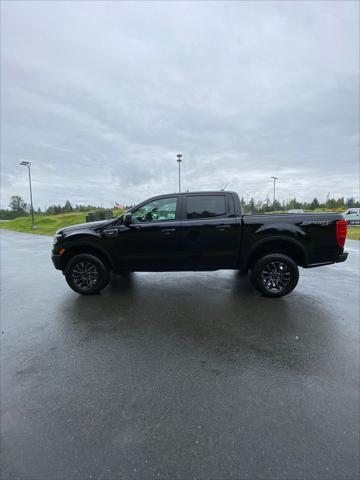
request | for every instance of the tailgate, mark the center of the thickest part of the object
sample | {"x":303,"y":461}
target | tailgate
{"x":323,"y":236}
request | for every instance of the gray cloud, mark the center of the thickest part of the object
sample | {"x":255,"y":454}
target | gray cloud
{"x":100,"y":96}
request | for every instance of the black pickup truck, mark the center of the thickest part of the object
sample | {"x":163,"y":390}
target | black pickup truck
{"x":199,"y":231}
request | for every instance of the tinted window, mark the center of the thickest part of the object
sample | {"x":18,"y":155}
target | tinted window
{"x":205,"y":206}
{"x":162,"y":210}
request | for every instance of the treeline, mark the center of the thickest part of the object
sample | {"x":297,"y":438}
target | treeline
{"x":19,"y":208}
{"x":67,"y":208}
{"x":265,"y":206}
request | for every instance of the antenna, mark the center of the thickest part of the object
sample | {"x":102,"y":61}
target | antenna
{"x":226,"y":184}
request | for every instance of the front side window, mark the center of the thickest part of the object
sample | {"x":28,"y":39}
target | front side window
{"x":205,"y":206}
{"x":162,"y":210}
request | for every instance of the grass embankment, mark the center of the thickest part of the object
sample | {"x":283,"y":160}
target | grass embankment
{"x":353,"y":233}
{"x":47,"y":224}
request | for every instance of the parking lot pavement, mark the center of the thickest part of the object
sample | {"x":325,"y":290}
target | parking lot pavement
{"x":177,"y":375}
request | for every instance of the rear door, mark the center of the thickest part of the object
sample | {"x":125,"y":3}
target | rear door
{"x":210,"y":231}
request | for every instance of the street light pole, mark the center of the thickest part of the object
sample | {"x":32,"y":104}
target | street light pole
{"x":28,"y":165}
{"x":179,"y":156}
{"x":274,"y":178}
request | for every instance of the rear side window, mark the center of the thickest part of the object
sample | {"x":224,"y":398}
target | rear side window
{"x":205,"y":206}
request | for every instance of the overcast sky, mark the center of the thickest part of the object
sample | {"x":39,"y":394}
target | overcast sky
{"x":100,"y":97}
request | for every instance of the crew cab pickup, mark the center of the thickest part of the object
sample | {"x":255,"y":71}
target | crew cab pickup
{"x":199,"y":231}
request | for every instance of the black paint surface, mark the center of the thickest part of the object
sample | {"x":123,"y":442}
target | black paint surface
{"x":177,"y":375}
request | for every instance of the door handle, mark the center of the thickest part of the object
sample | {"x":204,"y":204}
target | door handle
{"x":222,"y":227}
{"x":113,"y":232}
{"x":168,"y":231}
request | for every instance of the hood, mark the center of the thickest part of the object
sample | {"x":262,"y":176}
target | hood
{"x":87,"y":226}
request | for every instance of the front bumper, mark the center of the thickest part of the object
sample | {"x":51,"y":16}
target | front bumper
{"x":342,"y":257}
{"x":56,"y":259}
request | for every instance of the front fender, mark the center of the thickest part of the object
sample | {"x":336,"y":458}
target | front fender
{"x":82,"y":240}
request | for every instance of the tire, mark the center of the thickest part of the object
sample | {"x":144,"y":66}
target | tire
{"x":275,"y":275}
{"x":86,"y":274}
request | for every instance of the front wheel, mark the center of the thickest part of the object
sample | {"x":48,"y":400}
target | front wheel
{"x":86,"y":274}
{"x":275,"y":275}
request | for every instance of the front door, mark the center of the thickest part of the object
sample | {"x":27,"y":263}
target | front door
{"x":152,"y":241}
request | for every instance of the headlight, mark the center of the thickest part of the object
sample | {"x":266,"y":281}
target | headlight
{"x":57,"y":237}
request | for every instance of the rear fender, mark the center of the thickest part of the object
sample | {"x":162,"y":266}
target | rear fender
{"x":278,"y":243}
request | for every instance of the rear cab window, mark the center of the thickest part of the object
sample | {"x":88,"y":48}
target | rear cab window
{"x":205,"y":206}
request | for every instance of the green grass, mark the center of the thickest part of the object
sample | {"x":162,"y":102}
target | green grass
{"x":47,"y":224}
{"x":353,"y":233}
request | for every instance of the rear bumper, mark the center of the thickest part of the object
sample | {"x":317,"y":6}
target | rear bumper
{"x":56,"y":259}
{"x":342,"y":257}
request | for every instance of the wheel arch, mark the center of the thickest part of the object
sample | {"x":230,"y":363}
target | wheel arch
{"x":286,"y":246}
{"x":85,"y":248}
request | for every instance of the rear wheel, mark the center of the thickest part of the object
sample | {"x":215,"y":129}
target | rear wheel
{"x":275,"y":275}
{"x":86,"y":274}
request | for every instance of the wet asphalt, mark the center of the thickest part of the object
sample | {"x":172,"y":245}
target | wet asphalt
{"x":177,"y":375}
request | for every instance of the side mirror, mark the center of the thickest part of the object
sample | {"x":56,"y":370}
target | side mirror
{"x":127,"y":218}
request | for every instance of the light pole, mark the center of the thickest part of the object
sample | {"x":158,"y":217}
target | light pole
{"x":179,"y":156}
{"x":28,"y":165}
{"x":274,"y":178}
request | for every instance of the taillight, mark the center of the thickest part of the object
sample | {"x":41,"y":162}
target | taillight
{"x":341,"y":231}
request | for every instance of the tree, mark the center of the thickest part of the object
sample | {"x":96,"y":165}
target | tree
{"x":6,"y":214}
{"x":17,"y":206}
{"x":277,"y":205}
{"x":54,"y":209}
{"x":50,"y":210}
{"x":293,"y":204}
{"x":67,"y":207}
{"x":267,"y":207}
{"x":330,"y":203}
{"x":340,"y":202}
{"x":252,"y":205}
{"x":314,"y":204}
{"x":350,"y":202}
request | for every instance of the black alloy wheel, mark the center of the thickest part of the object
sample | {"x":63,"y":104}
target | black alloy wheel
{"x":86,"y":274}
{"x":275,"y":275}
